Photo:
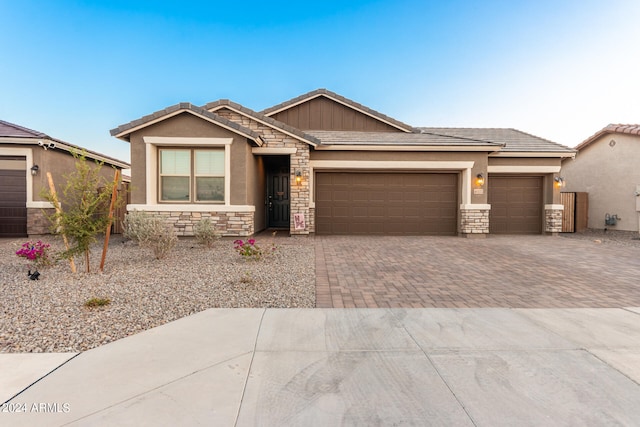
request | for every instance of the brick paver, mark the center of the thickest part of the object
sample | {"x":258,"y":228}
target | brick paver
{"x":499,"y":271}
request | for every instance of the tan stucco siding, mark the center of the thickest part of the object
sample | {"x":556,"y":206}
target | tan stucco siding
{"x":187,"y":126}
{"x":609,"y":173}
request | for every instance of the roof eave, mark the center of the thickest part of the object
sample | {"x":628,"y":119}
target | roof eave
{"x":416,"y":147}
{"x":530,"y":154}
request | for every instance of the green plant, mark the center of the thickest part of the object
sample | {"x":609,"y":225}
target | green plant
{"x":151,"y":232}
{"x":205,"y":232}
{"x":162,"y":238}
{"x":137,"y":226}
{"x":247,"y":249}
{"x":85,"y":200}
{"x":97,"y":302}
{"x":37,"y":253}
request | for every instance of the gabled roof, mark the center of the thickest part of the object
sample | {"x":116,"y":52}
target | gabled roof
{"x":20,"y":134}
{"x":514,"y":141}
{"x":342,"y":100}
{"x":225,"y":103}
{"x":612,"y":128}
{"x":337,"y":139}
{"x":123,"y":131}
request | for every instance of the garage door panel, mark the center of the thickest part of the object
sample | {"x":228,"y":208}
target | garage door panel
{"x":13,"y":197}
{"x":516,"y":204}
{"x":395,"y":203}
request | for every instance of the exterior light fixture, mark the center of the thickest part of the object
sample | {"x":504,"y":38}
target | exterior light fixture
{"x":559,"y":182}
{"x":298,"y":177}
{"x":479,"y":180}
{"x":34,"y":170}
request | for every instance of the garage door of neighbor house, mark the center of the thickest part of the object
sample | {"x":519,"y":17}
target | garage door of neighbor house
{"x":386,"y":203}
{"x":516,"y":204}
{"x":13,"y":197}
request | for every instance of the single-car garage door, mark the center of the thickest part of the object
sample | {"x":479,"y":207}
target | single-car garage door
{"x":516,"y":204}
{"x":13,"y":197}
{"x":386,"y":203}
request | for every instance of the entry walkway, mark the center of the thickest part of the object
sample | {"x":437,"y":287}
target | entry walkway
{"x":328,"y":367}
{"x":499,"y":271}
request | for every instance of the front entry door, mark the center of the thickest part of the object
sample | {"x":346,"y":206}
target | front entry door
{"x":278,"y":198}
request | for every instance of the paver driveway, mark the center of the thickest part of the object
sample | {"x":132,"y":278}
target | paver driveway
{"x":499,"y":271}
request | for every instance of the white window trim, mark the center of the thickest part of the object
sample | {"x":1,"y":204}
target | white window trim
{"x":426,"y":166}
{"x":151,"y":156}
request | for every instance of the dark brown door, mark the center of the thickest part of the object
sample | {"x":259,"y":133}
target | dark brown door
{"x":516,"y":204}
{"x":386,"y":203}
{"x":278,"y":198}
{"x":13,"y":198}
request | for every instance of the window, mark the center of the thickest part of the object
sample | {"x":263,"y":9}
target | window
{"x":188,"y":172}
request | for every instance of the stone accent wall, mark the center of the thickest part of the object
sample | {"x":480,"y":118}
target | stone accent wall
{"x":474,"y":221}
{"x":553,"y":221}
{"x":299,"y":193}
{"x":37,"y":221}
{"x":229,"y":223}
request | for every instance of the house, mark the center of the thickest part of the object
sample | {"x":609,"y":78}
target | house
{"x":25,"y":157}
{"x":322,"y":163}
{"x":607,"y":167}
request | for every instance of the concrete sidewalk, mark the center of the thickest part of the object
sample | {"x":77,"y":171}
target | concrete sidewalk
{"x":330,"y":367}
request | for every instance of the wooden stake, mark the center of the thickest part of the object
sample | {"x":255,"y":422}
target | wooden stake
{"x":114,"y":197}
{"x":56,"y":205}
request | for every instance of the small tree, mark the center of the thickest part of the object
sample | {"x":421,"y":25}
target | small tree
{"x":85,"y":207}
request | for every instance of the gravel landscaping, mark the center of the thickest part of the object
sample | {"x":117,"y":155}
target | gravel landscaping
{"x":49,"y":314}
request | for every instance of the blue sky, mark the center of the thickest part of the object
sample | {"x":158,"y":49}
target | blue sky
{"x":559,"y":69}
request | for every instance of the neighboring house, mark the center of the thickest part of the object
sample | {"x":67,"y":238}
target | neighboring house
{"x":607,"y":167}
{"x":25,"y":158}
{"x":321,"y":163}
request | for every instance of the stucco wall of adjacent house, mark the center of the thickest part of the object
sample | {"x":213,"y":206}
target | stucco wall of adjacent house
{"x":188,"y":126}
{"x":60,"y":164}
{"x":608,"y":170}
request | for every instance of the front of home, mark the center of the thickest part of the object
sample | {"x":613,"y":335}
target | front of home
{"x":321,"y":163}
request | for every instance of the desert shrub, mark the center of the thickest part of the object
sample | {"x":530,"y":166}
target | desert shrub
{"x":205,"y":232}
{"x":151,"y":232}
{"x":137,"y":226}
{"x":163,"y":238}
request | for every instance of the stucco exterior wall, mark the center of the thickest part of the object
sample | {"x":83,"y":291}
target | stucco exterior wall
{"x":187,"y":126}
{"x":609,"y":170}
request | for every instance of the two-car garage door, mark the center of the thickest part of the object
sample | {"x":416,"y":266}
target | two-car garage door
{"x":386,"y":203}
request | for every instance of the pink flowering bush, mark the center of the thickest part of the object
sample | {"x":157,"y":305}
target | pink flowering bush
{"x":37,"y":252}
{"x":247,"y":249}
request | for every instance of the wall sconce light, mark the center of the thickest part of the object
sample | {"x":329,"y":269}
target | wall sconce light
{"x":298,"y":177}
{"x":479,"y":180}
{"x":559,"y":182}
{"x":34,"y":170}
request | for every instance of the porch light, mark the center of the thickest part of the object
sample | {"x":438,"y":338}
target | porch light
{"x":34,"y":170}
{"x":479,"y":180}
{"x":559,"y":182}
{"x":298,"y":177}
